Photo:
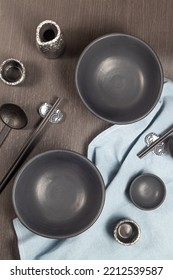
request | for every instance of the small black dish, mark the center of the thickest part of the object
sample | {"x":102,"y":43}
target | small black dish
{"x":147,"y":191}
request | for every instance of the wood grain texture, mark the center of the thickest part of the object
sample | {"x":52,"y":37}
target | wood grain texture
{"x":81,"y":21}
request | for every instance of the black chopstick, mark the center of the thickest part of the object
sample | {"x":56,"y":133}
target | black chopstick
{"x":27,"y":145}
{"x":158,"y":141}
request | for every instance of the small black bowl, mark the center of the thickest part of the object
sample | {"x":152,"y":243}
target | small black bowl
{"x":147,"y":191}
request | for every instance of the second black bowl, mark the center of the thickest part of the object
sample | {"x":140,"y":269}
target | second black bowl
{"x":119,"y":78}
{"x":58,"y":194}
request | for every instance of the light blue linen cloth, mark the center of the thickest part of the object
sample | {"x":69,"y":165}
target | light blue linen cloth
{"x":114,"y":152}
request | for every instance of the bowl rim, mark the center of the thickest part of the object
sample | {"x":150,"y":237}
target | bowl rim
{"x":148,"y":175}
{"x":88,"y":161}
{"x":85,"y":50}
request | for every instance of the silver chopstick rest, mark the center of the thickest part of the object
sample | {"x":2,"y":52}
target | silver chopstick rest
{"x":56,"y":116}
{"x":159,"y":149}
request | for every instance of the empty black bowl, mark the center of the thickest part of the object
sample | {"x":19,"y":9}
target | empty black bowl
{"x":119,"y":78}
{"x":58,"y":194}
{"x":147,"y":191}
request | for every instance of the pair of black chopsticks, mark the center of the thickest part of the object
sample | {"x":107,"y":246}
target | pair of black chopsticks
{"x":10,"y":173}
{"x":156,"y":142}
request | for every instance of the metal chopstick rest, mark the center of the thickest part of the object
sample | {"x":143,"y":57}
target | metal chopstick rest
{"x":158,"y":141}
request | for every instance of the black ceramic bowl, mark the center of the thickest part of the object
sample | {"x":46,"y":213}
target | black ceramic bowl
{"x":58,"y":194}
{"x":147,"y":191}
{"x":119,"y":78}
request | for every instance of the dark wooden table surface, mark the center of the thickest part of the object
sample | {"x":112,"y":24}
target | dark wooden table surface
{"x":81,"y":21}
